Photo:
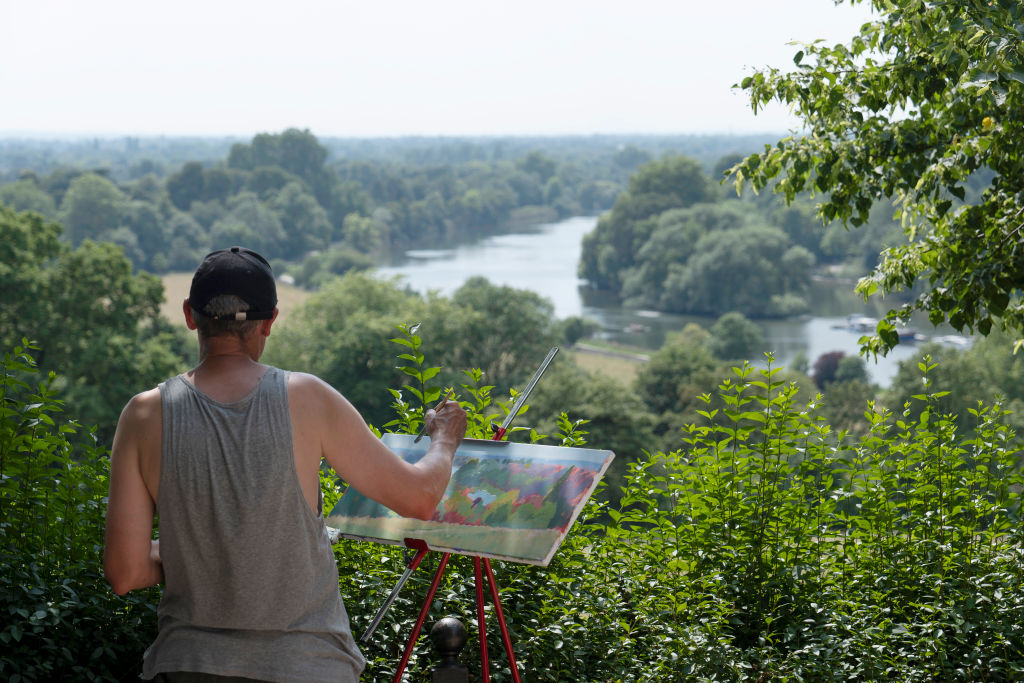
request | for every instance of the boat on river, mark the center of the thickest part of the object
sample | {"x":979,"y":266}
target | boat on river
{"x":856,"y":322}
{"x":861,"y":323}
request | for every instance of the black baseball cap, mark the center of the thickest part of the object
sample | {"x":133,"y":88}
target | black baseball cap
{"x":240,"y":272}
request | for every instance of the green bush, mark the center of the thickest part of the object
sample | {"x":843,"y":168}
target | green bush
{"x":60,"y":621}
{"x":767,"y":547}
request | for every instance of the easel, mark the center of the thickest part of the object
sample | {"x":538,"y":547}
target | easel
{"x":481,"y":566}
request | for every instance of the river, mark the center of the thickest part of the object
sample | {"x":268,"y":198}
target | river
{"x":544,"y":260}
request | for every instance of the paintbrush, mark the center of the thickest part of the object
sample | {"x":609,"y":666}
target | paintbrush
{"x":440,"y":404}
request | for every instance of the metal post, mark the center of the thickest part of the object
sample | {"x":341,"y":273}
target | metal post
{"x":449,"y":637}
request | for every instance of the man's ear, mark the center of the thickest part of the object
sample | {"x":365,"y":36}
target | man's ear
{"x":267,"y":324}
{"x":187,"y":309}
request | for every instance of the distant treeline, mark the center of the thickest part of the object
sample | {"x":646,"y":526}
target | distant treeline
{"x":319,"y":209}
{"x":126,"y":158}
{"x":671,"y":236}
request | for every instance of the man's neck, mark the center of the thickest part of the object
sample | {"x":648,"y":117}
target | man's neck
{"x":229,"y":349}
{"x":228,"y":368}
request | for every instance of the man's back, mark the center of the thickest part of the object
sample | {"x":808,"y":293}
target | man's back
{"x":247,"y":563}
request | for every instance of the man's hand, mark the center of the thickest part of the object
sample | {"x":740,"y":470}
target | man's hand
{"x":446,"y":424}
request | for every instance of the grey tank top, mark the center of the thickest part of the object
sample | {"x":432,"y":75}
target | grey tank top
{"x":250,"y":580}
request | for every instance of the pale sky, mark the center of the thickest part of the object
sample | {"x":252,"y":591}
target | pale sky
{"x":378,"y":68}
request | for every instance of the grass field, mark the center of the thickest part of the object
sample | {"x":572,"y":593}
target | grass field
{"x":620,"y":364}
{"x":176,"y":290}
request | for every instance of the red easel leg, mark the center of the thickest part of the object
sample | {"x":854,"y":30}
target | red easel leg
{"x":423,"y":616}
{"x":485,"y":667}
{"x":505,"y":637}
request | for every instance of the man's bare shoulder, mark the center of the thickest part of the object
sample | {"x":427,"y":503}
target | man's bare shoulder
{"x":312,"y":397}
{"x":309,"y":392}
{"x":143,"y":407}
{"x":308,"y":385}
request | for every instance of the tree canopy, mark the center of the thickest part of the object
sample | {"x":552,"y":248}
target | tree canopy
{"x":672,"y":244}
{"x":919,"y":107}
{"x":96,"y":322}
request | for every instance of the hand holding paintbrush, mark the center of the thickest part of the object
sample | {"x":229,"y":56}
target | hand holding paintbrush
{"x":440,"y":404}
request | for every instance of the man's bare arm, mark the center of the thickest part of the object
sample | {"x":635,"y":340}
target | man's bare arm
{"x":131,"y":559}
{"x":359,"y":457}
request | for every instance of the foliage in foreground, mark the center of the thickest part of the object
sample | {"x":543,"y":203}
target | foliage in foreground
{"x":767,"y":547}
{"x":58,"y":618}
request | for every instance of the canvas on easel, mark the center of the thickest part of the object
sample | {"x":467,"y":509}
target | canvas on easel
{"x":506,"y":500}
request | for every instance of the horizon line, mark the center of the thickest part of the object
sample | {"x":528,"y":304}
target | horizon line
{"x":68,"y":135}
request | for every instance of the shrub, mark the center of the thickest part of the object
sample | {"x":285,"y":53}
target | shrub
{"x":767,"y":547}
{"x":60,"y":621}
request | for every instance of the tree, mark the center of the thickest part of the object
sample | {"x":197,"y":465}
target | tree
{"x":577,"y":327}
{"x":296,"y":151}
{"x":151,"y":234}
{"x":739,"y":270}
{"x":825,"y":368}
{"x":249,"y":222}
{"x":148,"y":188}
{"x":365,"y":235}
{"x":734,"y":337}
{"x":268,"y":180}
{"x":322,"y":266}
{"x":188,"y":242}
{"x":676,"y":375}
{"x":26,"y":195}
{"x":97,"y":324}
{"x":186,"y":186}
{"x":923,"y":102}
{"x":835,"y":367}
{"x":340,"y":334}
{"x":851,"y":369}
{"x":304,"y":221}
{"x":672,"y":242}
{"x":92,"y":206}
{"x":540,"y":165}
{"x":345,"y":197}
{"x":630,"y":156}
{"x":611,"y":249}
{"x":505,"y":332}
{"x":57,"y":183}
{"x":218,"y":184}
{"x":616,"y":418}
{"x":985,"y":372}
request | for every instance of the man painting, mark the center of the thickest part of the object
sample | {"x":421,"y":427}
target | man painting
{"x":228,"y":456}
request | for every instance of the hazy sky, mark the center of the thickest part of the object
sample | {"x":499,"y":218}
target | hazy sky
{"x":380,"y":68}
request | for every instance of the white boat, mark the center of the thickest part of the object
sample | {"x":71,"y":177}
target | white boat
{"x":861,"y":323}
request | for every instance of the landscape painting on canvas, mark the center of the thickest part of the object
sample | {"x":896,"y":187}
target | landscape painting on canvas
{"x":505,"y":500}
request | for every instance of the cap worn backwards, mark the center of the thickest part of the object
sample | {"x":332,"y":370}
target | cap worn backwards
{"x":239,"y":272}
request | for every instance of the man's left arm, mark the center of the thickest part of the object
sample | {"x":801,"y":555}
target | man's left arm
{"x":131,"y":559}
